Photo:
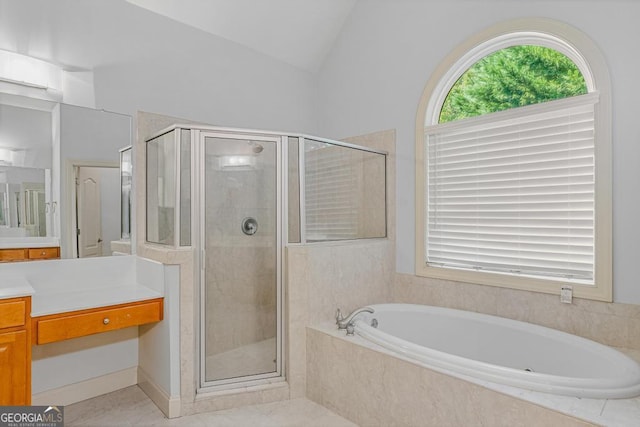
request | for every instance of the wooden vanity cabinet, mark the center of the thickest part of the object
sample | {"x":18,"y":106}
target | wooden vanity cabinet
{"x":29,"y":254}
{"x":19,"y":331}
{"x":8,"y":255}
{"x":73,"y":324}
{"x":15,"y":351}
{"x":43,"y":253}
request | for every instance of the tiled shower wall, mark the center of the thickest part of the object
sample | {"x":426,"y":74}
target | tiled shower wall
{"x":240,"y":303}
{"x":324,"y":276}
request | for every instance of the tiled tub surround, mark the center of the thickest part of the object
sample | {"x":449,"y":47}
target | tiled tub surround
{"x":612,"y":324}
{"x":501,"y":350}
{"x":373,"y":386}
{"x":326,"y":276}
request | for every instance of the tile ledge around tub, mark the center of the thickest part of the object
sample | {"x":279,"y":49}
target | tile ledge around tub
{"x":631,"y":352}
{"x":606,"y":412}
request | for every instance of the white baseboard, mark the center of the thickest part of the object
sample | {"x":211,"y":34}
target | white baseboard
{"x":170,"y":406}
{"x":87,"y":389}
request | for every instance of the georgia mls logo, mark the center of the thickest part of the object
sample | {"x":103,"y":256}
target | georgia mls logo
{"x":53,"y":408}
{"x":31,"y":416}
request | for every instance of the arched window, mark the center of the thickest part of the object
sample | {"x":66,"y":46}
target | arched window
{"x":514,"y":153}
{"x":512,"y":77}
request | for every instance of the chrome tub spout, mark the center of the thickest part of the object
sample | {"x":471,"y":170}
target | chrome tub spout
{"x":348,"y":322}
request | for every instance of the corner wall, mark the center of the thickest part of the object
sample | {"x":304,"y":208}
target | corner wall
{"x":322,"y":277}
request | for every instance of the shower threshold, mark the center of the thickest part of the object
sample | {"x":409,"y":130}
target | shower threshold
{"x":248,"y":360}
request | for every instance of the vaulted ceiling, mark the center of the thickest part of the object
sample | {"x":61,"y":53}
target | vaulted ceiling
{"x":298,"y":32}
{"x":86,"y":34}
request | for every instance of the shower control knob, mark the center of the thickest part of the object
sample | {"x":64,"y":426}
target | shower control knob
{"x":249,"y":226}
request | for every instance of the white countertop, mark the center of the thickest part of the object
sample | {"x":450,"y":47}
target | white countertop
{"x":15,"y":287}
{"x":28,"y":242}
{"x":59,"y":286}
{"x":58,"y":299}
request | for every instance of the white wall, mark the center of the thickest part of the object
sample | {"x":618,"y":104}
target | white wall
{"x":159,"y":345}
{"x":200,"y":77}
{"x":375,"y":76}
{"x":29,"y":131}
{"x":77,"y":88}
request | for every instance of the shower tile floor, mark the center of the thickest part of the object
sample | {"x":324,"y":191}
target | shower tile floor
{"x":131,"y":407}
{"x":251,"y":359}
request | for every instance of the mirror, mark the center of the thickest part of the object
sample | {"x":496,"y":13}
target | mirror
{"x":126,"y":181}
{"x":24,"y":206}
{"x":54,"y":158}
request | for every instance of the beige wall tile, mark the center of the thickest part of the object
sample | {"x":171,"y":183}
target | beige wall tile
{"x":375,"y":389}
{"x":608,"y":323}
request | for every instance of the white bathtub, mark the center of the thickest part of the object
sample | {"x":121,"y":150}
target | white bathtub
{"x":502,"y":351}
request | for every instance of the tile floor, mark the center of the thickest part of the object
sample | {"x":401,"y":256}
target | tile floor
{"x":131,"y":407}
{"x":250,"y":359}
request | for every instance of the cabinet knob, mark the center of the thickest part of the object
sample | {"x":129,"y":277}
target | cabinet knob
{"x":43,"y":253}
{"x":106,"y":320}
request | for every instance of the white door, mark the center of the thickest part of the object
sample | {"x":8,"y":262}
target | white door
{"x":89,"y":213}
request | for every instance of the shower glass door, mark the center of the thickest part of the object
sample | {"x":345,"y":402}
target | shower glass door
{"x":241,"y":266}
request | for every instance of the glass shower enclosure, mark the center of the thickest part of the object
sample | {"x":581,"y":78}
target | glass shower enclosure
{"x":241,"y":238}
{"x":236,"y":197}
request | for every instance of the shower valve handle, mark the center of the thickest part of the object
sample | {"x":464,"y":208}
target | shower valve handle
{"x":249,"y":226}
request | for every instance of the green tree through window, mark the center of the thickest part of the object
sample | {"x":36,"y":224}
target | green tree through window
{"x":512,"y":77}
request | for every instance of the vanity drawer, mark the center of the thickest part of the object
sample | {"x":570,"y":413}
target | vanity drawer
{"x":44,"y":253}
{"x":75,"y":324}
{"x":13,"y":313}
{"x":13,"y":254}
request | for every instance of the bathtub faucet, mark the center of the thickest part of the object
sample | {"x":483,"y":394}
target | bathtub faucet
{"x":347,"y":323}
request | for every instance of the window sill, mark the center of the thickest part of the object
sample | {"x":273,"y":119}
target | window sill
{"x":598,"y":292}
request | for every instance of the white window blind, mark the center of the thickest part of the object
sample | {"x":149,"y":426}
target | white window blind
{"x":513,"y":191}
{"x":331,"y":201}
